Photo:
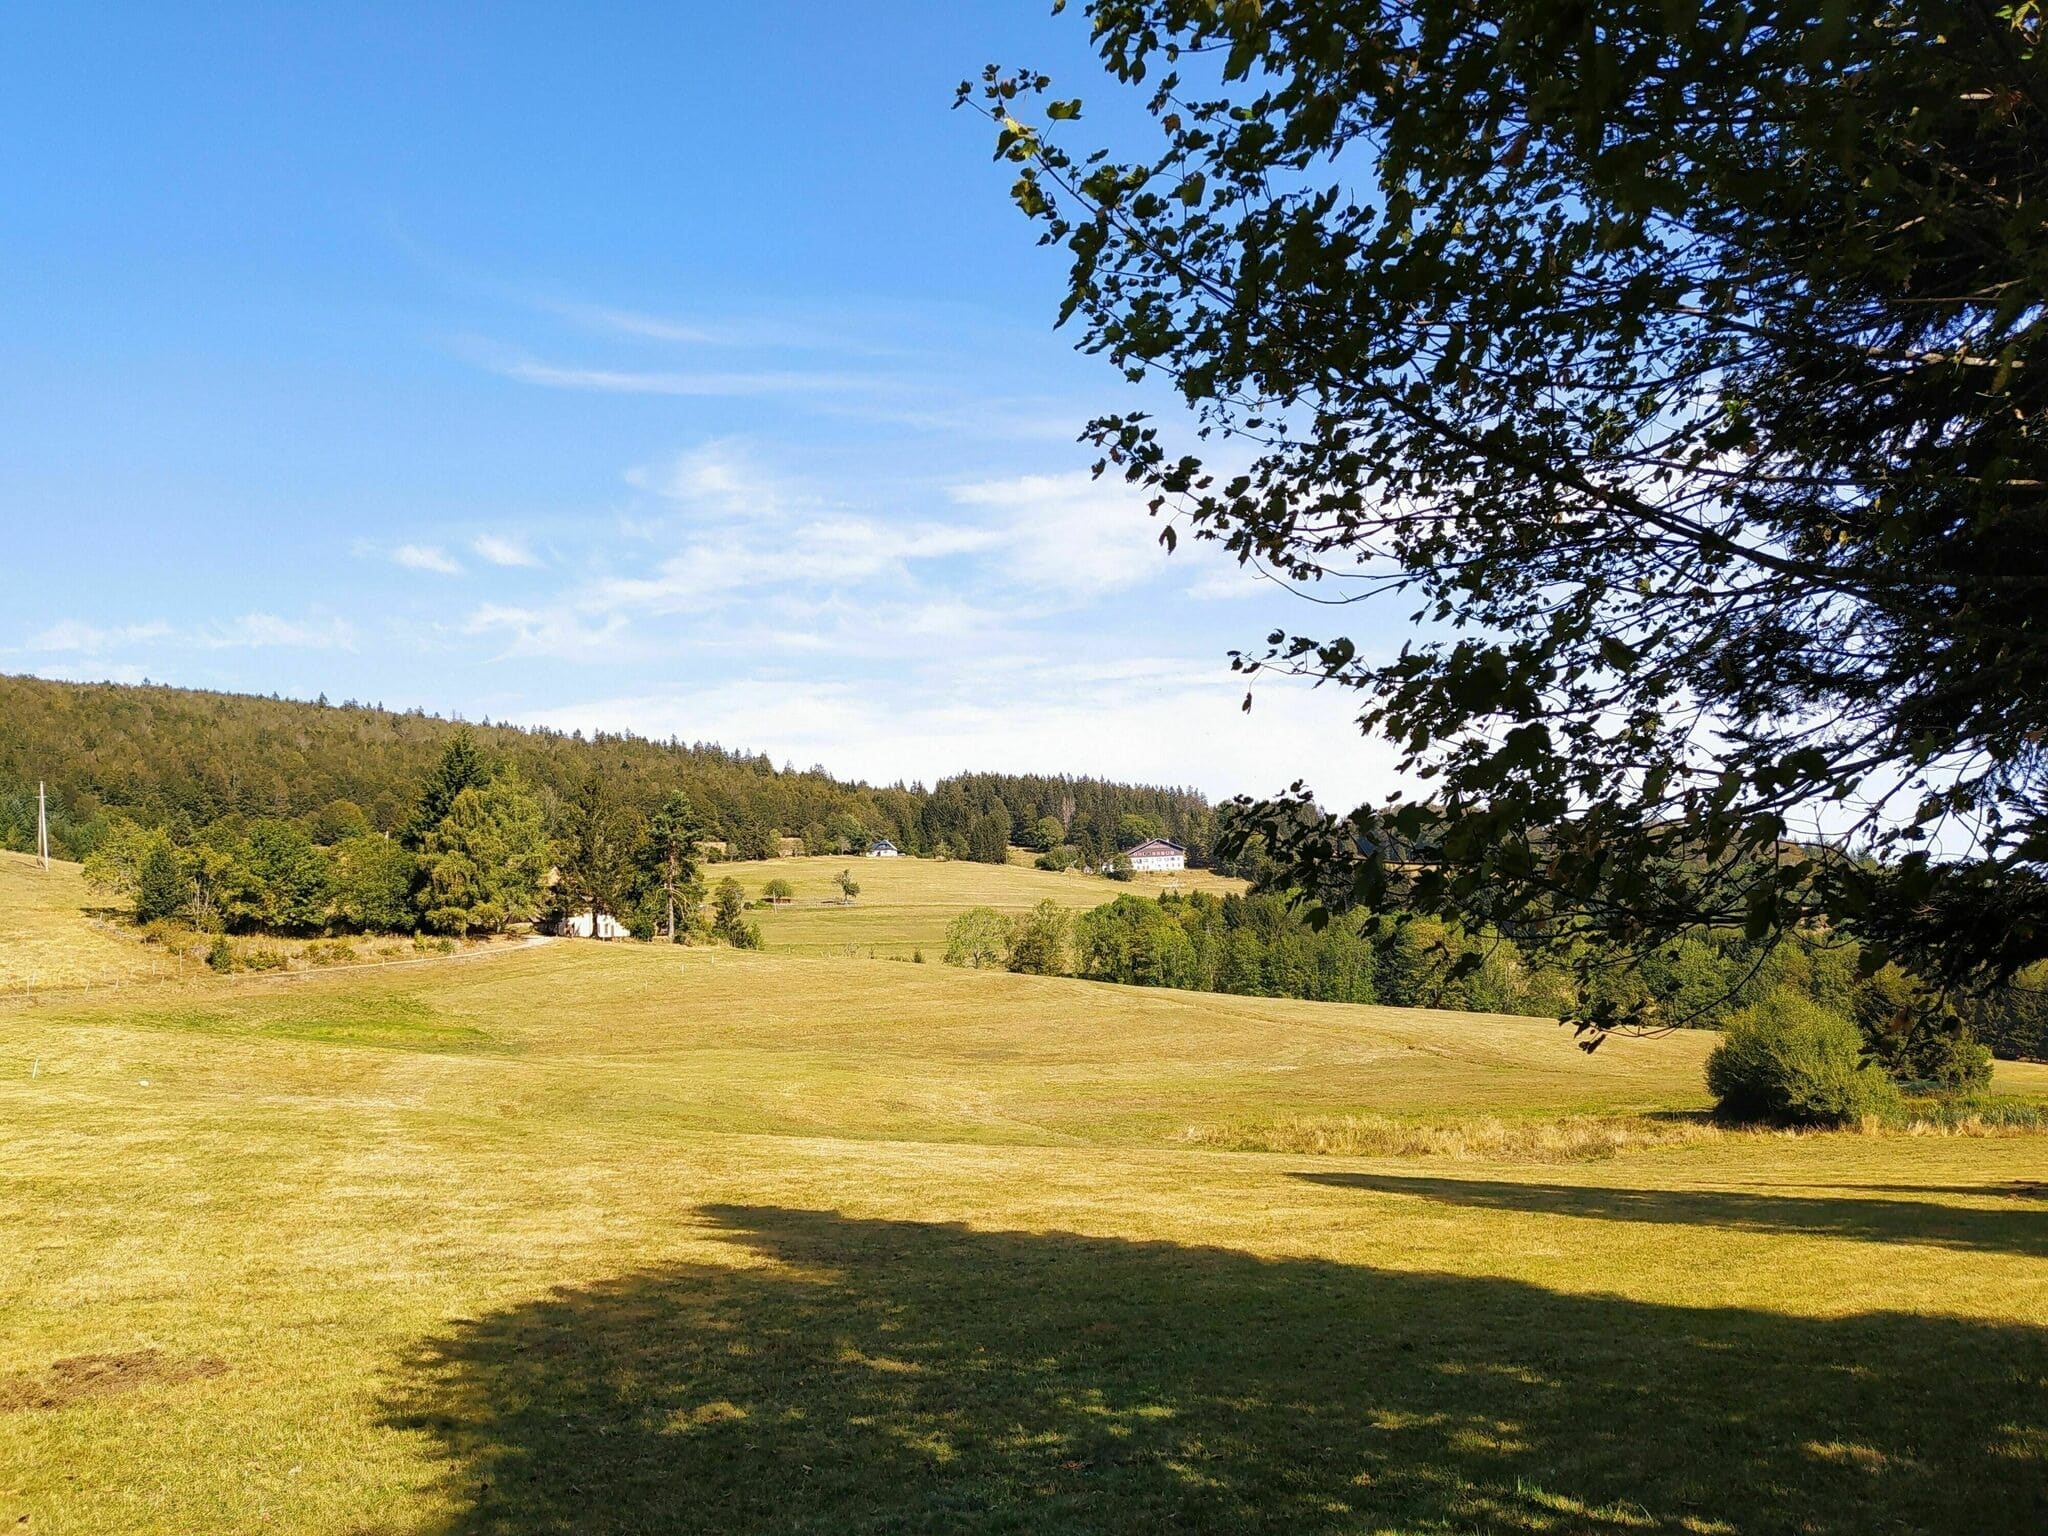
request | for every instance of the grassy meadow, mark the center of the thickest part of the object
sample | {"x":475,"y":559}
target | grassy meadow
{"x":905,"y":904}
{"x":626,"y":1238}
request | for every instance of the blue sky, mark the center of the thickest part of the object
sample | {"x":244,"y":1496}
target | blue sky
{"x":682,"y":369}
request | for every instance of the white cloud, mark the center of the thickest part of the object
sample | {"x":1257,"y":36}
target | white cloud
{"x":249,"y":631}
{"x":682,"y":382}
{"x":720,"y":479}
{"x":550,"y":632}
{"x":498,"y":549}
{"x":72,"y":635}
{"x":1070,"y":532}
{"x":425,"y":557}
{"x":267,"y":629}
{"x":1155,"y":720}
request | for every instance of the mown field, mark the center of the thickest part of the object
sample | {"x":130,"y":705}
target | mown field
{"x":623,"y":1238}
{"x":905,"y":904}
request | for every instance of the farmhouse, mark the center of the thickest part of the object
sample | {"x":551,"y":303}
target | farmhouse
{"x":1158,"y":853}
{"x":577,"y":925}
{"x":882,"y":848}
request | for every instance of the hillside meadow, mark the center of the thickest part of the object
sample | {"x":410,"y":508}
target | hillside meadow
{"x":626,"y":1238}
{"x":904,"y":904}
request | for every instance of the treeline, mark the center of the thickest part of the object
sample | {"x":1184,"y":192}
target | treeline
{"x":477,"y":852}
{"x":185,"y":760}
{"x":1258,"y":945}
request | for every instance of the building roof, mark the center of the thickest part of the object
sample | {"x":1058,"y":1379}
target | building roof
{"x":880,"y":842}
{"x":1156,"y":848}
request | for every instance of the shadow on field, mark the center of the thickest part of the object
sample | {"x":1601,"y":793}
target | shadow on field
{"x":1873,"y":1221}
{"x":880,"y":1376}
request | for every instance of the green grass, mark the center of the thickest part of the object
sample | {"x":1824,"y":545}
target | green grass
{"x":619,"y":1238}
{"x":905,"y":904}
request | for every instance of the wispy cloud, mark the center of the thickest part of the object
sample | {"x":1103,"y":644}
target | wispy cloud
{"x":500,"y":549}
{"x":74,"y":636}
{"x":682,"y":382}
{"x":551,"y":632}
{"x":426,"y":557}
{"x":1070,"y":532}
{"x":249,"y":631}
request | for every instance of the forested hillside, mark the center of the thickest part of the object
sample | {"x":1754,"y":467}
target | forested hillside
{"x":182,"y":758}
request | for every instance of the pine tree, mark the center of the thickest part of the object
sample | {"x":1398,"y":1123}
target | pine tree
{"x":161,"y":888}
{"x":670,"y":852}
{"x":461,"y":767}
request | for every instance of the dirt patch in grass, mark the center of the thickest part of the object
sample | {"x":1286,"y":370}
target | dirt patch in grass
{"x":82,"y":1378}
{"x":1572,"y":1138}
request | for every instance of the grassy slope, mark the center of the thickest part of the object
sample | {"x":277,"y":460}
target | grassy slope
{"x":626,"y":1238}
{"x":905,"y":904}
{"x":48,"y":937}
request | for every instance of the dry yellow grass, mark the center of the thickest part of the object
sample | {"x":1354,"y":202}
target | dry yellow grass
{"x":618,"y":1238}
{"x":57,"y":932}
{"x":905,"y":904}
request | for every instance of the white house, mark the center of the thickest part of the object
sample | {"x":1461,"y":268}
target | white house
{"x":577,"y":925}
{"x":1157,"y":854}
{"x":882,"y":848}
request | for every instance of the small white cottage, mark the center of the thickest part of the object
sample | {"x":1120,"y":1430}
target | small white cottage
{"x":577,"y":925}
{"x":882,"y":848}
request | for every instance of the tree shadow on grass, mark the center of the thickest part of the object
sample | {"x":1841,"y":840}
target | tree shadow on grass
{"x":2005,"y":1230}
{"x":881,"y":1376}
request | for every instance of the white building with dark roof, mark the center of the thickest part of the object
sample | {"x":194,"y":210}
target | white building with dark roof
{"x":882,"y":848}
{"x":1160,"y":853}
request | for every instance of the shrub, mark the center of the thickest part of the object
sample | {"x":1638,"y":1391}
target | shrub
{"x":161,"y":889}
{"x":1038,"y":940}
{"x":220,"y":956}
{"x":1788,"y":1061}
{"x":1918,"y":1040}
{"x":977,"y":938}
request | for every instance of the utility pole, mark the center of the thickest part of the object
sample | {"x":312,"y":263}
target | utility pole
{"x":42,"y":827}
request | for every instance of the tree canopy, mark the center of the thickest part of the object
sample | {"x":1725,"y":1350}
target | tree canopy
{"x":1681,"y":374}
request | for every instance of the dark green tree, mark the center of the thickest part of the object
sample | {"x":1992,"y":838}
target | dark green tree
{"x":374,"y":881}
{"x":988,"y":839}
{"x":595,"y":857}
{"x":669,"y":856}
{"x":1681,"y":374}
{"x":161,"y":888}
{"x":461,"y":767}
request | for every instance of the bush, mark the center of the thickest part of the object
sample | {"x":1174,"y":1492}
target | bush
{"x":221,"y":956}
{"x":1788,"y":1061}
{"x":1038,"y":940}
{"x":977,"y":938}
{"x":1919,"y":1041}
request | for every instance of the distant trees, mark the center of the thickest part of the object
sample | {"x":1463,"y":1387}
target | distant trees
{"x":978,"y":938}
{"x":182,"y":760}
{"x":670,"y":856}
{"x":373,"y":884}
{"x":729,"y":916}
{"x":461,"y":767}
{"x":988,"y":840}
{"x":1038,"y":940}
{"x":595,"y":855}
{"x":1136,"y":942}
{"x":780,"y":889}
{"x":162,"y":889}
{"x":485,"y":861}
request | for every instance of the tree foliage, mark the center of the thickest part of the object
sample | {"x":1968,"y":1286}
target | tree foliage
{"x":485,"y":861}
{"x":1681,"y":373}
